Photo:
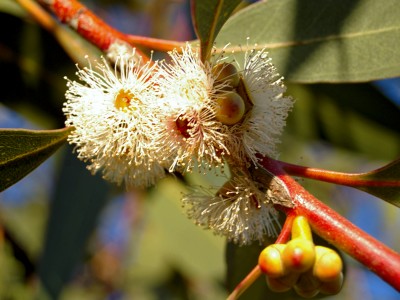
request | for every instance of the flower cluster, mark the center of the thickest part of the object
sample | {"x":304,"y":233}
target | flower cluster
{"x":140,"y":119}
{"x":239,"y":211}
{"x":188,"y":132}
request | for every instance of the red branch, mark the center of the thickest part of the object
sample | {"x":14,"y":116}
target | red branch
{"x":284,"y":235}
{"x":156,"y":44}
{"x":339,"y":231}
{"x":87,"y":24}
{"x":354,"y":180}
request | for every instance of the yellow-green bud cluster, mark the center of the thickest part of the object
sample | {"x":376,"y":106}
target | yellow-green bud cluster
{"x":301,"y":265}
{"x":230,"y":107}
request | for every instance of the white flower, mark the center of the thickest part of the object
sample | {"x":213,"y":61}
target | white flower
{"x":190,"y":135}
{"x":243,"y":209}
{"x":239,"y":211}
{"x":113,"y":114}
{"x":264,"y":123}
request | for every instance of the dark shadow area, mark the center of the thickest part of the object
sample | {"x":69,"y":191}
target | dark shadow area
{"x":76,"y":205}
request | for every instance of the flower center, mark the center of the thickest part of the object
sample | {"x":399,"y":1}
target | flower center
{"x":183,"y":126}
{"x":123,"y":99}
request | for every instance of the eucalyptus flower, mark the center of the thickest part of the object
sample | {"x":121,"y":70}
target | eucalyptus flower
{"x":189,"y":134}
{"x":112,"y":111}
{"x":248,"y":103}
{"x":239,"y":211}
{"x":264,"y":123}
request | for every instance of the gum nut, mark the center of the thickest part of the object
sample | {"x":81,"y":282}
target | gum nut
{"x":299,"y":255}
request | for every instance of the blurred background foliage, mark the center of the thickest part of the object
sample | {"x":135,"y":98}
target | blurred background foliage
{"x":65,"y":234}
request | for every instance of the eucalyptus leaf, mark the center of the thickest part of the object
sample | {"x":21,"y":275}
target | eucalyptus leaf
{"x":21,"y":151}
{"x":208,"y":18}
{"x":13,"y":8}
{"x":77,"y":202}
{"x":320,"y":41}
{"x":383,"y":182}
{"x":355,"y":117}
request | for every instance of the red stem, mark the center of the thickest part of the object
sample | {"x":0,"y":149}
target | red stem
{"x":245,"y":283}
{"x":156,"y":44}
{"x":284,"y":235}
{"x":87,"y":24}
{"x":354,"y":180}
{"x":283,"y":238}
{"x":339,"y":231}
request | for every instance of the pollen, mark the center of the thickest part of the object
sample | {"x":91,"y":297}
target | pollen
{"x":123,"y":99}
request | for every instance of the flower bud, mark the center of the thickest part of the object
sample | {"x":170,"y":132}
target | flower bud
{"x":299,"y":255}
{"x":282,"y":284}
{"x":328,"y":264}
{"x":307,"y":286}
{"x":270,"y":260}
{"x":226,"y":73}
{"x":332,"y":287}
{"x":230,"y":108}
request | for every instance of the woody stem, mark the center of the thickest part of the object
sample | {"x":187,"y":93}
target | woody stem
{"x":348,"y":179}
{"x":87,"y":24}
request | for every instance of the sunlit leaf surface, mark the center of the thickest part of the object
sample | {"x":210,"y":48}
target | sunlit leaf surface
{"x":321,"y":41}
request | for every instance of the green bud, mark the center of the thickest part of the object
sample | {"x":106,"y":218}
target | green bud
{"x":270,"y":260}
{"x":328,"y":264}
{"x":226,"y":73}
{"x":230,"y":108}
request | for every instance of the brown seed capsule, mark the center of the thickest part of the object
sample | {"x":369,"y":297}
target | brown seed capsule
{"x":270,"y":260}
{"x":230,"y":108}
{"x":226,"y":73}
{"x":299,"y":255}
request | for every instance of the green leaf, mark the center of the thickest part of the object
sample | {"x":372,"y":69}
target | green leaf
{"x":21,"y":151}
{"x":321,"y":41}
{"x":383,"y":182}
{"x":13,"y":8}
{"x":354,"y":117}
{"x":78,"y":200}
{"x":208,"y":17}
